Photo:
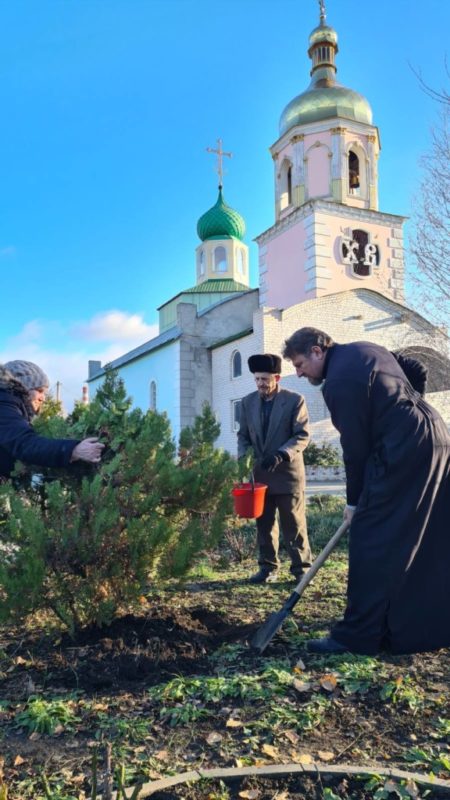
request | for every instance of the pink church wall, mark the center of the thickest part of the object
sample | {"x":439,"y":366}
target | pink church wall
{"x":318,"y":178}
{"x":285,"y":262}
{"x":288,"y":265}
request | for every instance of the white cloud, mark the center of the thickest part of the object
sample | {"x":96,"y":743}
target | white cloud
{"x":115,"y":325}
{"x":63,"y":351}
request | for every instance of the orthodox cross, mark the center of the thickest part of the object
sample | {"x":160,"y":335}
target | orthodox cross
{"x":323,"y":13}
{"x":220,"y":153}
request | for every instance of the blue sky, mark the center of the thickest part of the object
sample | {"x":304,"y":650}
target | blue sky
{"x":107,"y":108}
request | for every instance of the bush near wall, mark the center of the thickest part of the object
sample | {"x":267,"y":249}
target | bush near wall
{"x":323,"y":455}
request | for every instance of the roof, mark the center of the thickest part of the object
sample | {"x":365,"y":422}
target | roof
{"x":148,"y":347}
{"x":219,"y":285}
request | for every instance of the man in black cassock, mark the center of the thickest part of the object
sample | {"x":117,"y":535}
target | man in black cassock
{"x":397,"y":459}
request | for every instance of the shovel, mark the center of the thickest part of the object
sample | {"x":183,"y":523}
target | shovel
{"x":266,"y":632}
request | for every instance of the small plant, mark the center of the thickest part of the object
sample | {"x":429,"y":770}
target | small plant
{"x":429,"y":757}
{"x":442,"y":729}
{"x":359,"y":674}
{"x":45,"y":716}
{"x":183,"y":714}
{"x":403,"y":690}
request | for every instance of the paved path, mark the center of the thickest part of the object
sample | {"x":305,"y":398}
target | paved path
{"x":327,"y":487}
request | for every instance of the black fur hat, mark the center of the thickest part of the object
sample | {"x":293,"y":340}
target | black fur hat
{"x":265,"y":362}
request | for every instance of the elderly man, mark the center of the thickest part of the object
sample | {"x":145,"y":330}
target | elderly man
{"x":274,"y":425}
{"x":23,"y":386}
{"x":397,"y":459}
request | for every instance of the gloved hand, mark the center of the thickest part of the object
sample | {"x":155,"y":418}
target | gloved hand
{"x":270,"y":463}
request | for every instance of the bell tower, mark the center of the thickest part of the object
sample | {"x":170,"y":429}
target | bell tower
{"x":328,"y":234}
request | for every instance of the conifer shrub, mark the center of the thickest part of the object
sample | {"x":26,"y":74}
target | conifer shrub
{"x":322,"y":455}
{"x":85,"y":542}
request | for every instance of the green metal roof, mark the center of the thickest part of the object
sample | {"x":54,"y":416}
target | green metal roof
{"x":218,"y":285}
{"x":221,"y":221}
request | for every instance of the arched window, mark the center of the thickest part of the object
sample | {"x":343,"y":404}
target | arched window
{"x":201,"y":263}
{"x":354,"y":179}
{"x":236,"y":364}
{"x":240,"y":260}
{"x":285,"y":184}
{"x":220,"y":259}
{"x":153,"y":395}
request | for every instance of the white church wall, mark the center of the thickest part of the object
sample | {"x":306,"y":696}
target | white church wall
{"x":161,"y":366}
{"x":226,"y":389}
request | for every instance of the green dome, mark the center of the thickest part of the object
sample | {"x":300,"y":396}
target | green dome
{"x":220,"y":222}
{"x":325,"y":102}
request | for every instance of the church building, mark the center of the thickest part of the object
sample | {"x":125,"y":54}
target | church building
{"x":331,"y":259}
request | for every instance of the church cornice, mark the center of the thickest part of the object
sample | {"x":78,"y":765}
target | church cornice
{"x":336,"y":125}
{"x":331,"y":209}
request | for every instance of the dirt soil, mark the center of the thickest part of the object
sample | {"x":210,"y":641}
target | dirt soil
{"x":177,"y":687}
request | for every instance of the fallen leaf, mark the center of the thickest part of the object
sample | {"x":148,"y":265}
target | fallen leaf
{"x":328,"y":682}
{"x":18,"y":761}
{"x":301,"y":686}
{"x":270,"y":751}
{"x":300,"y":665}
{"x":214,"y":737}
{"x":281,"y":796}
{"x":33,"y":736}
{"x":234,"y":723}
{"x":58,"y":729}
{"x":249,"y":794}
{"x":161,"y":755}
{"x":302,"y":758}
{"x":20,"y":660}
{"x":292,"y":736}
{"x":325,"y":755}
{"x":390,"y":786}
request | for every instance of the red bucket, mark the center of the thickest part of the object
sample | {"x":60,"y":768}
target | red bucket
{"x":249,"y":499}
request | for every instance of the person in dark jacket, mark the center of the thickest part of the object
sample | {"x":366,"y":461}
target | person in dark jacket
{"x":396,"y":451}
{"x":273,"y":425}
{"x":23,"y":386}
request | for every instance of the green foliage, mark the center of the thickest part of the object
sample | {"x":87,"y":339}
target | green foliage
{"x":322,"y":455}
{"x":45,"y":716}
{"x":404,"y":691}
{"x":88,"y":541}
{"x":324,"y":516}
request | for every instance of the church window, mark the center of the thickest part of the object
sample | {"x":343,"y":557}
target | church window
{"x":235,"y":414}
{"x":240,"y":257}
{"x":289,"y":185}
{"x":153,"y":395}
{"x":285,"y":184}
{"x":202,"y":262}
{"x":236,"y":364}
{"x":220,"y":259}
{"x":354,"y":183}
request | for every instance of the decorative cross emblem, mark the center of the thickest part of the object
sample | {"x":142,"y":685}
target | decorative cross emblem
{"x":220,"y":153}
{"x":323,"y":13}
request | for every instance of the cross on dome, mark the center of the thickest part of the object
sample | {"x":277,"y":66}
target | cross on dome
{"x":220,"y":153}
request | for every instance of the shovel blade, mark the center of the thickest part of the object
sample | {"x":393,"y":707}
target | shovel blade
{"x":266,"y":632}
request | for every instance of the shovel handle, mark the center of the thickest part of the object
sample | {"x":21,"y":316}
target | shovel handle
{"x":321,"y":558}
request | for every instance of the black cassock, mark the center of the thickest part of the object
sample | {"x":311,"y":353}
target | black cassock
{"x":397,"y":458}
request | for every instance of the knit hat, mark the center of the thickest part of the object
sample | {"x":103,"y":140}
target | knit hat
{"x":265,"y":362}
{"x":30,"y":375}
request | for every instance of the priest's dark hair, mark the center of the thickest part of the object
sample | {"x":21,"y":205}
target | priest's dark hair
{"x":302,"y":341}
